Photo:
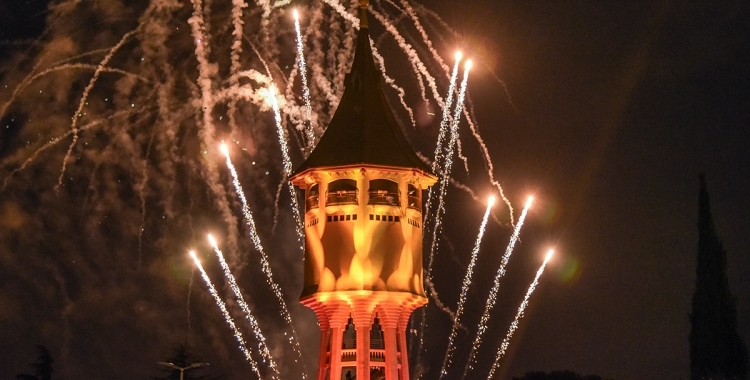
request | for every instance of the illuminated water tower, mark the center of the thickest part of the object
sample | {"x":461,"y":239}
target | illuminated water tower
{"x":363,"y":188}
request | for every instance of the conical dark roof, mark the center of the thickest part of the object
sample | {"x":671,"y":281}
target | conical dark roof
{"x":363,"y":130}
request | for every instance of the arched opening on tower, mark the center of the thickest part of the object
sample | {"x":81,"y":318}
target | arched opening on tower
{"x":313,"y":194}
{"x":414,"y":197}
{"x":341,"y":192}
{"x":384,"y":192}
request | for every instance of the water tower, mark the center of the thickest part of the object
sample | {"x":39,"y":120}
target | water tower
{"x":363,"y":188}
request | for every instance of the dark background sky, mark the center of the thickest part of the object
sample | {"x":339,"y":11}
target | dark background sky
{"x":616,"y":107}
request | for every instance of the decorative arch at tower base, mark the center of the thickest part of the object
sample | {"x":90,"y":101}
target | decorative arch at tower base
{"x":363,"y":333}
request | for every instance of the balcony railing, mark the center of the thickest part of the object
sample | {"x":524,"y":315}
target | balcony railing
{"x":349,"y":356}
{"x":342,"y":197}
{"x":415,"y":203}
{"x":382,"y":197}
{"x":311,"y":202}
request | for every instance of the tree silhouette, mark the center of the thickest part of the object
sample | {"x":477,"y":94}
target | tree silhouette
{"x":42,"y":366}
{"x":716,"y":349}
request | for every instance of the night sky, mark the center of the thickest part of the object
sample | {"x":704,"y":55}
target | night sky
{"x":605,"y":111}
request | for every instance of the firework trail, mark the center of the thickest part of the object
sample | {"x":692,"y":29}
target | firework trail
{"x":392,"y":83}
{"x":519,"y":315}
{"x":305,"y":89}
{"x":445,"y":175}
{"x":262,"y":346}
{"x":54,"y":141}
{"x":444,"y":122}
{"x":440,"y":208}
{"x":492,"y":297}
{"x":250,"y":222}
{"x":464,"y":290}
{"x":227,"y":317}
{"x":237,"y":23}
{"x":74,"y":124}
{"x":408,"y":49}
{"x":287,"y":161}
{"x":425,"y":38}
{"x":142,"y":198}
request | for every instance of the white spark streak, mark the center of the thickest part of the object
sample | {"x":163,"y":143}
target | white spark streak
{"x":287,"y":161}
{"x":227,"y":317}
{"x":492,"y":297}
{"x":262,"y":346}
{"x":444,"y":122}
{"x":519,"y":315}
{"x":446,"y":175}
{"x":447,"y":359}
{"x":266,"y":267}
{"x":441,"y":202}
{"x":305,"y":89}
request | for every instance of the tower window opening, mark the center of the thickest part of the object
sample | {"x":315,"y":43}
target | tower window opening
{"x":384,"y":192}
{"x":414,"y":197}
{"x":376,"y":336}
{"x":350,"y":336}
{"x":311,"y":202}
{"x":341,"y":192}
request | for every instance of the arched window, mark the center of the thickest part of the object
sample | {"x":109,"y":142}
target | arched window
{"x":384,"y":192}
{"x":414,"y":197}
{"x":341,"y":192}
{"x":311,"y":201}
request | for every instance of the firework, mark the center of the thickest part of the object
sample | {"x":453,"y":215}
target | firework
{"x":262,"y":346}
{"x":464,"y":290}
{"x":444,"y":122}
{"x":287,"y":162}
{"x":519,"y":315}
{"x":227,"y":317}
{"x":492,"y":297}
{"x":250,"y":222}
{"x":310,"y":133}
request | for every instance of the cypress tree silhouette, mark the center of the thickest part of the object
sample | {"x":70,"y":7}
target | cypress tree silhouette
{"x":716,"y":349}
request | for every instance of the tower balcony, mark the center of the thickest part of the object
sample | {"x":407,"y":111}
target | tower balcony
{"x":384,"y":197}
{"x":341,"y":197}
{"x":349,"y":357}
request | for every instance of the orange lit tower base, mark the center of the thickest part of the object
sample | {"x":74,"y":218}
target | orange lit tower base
{"x":363,"y":187}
